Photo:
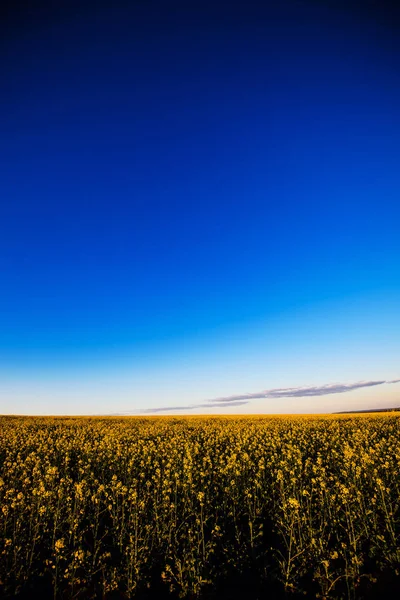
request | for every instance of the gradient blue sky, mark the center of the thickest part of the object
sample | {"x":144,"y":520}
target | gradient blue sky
{"x":198,"y":200}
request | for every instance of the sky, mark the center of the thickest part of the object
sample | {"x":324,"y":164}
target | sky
{"x":199,"y":207}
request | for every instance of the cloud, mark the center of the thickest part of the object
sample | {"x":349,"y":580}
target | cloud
{"x":160,"y":409}
{"x":192,"y":406}
{"x":302,"y":392}
{"x":241,"y":399}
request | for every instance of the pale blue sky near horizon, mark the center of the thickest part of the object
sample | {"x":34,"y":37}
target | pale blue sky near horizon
{"x":197,"y":204}
{"x":333,"y":342}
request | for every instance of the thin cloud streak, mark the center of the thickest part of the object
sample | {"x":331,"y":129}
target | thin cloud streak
{"x":159,"y":409}
{"x":192,"y":407}
{"x":242,"y":399}
{"x":302,"y":392}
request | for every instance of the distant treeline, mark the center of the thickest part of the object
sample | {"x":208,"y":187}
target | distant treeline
{"x":368,"y":410}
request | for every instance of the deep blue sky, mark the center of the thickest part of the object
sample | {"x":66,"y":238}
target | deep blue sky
{"x":174,"y":175}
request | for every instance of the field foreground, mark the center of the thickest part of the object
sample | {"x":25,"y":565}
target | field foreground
{"x":200,"y":507}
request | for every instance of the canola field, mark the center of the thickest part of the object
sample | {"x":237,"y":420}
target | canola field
{"x":200,"y":507}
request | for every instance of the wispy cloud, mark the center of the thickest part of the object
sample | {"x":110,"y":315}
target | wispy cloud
{"x":241,"y":399}
{"x":160,"y":409}
{"x":192,"y":406}
{"x":301,"y":392}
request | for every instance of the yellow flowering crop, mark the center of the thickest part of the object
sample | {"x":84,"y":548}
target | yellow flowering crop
{"x":99,"y":506}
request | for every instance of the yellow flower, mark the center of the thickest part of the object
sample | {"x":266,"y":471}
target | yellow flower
{"x":59,"y":545}
{"x":294,"y":503}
